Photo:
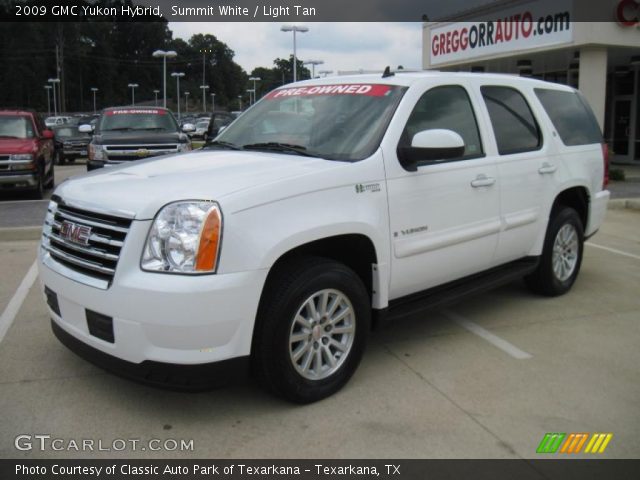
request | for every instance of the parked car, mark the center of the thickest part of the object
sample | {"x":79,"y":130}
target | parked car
{"x":70,"y":143}
{"x":26,"y":152}
{"x":201,"y":128}
{"x":218,"y":121}
{"x":53,"y":121}
{"x":319,"y":211}
{"x":124,"y":134}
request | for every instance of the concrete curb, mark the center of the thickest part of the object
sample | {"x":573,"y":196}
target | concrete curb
{"x":624,"y":204}
{"x":20,"y":233}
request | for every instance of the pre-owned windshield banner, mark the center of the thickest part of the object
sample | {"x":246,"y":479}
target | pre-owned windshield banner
{"x":622,"y":11}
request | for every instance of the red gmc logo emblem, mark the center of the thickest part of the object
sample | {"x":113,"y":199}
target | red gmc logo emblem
{"x":75,"y":233}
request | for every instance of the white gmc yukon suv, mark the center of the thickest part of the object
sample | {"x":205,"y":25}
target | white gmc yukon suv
{"x":326,"y":206}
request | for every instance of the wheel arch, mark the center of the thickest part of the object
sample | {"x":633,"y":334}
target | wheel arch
{"x":576,"y":197}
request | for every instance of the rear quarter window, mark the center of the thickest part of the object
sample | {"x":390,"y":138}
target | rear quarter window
{"x":571,"y":116}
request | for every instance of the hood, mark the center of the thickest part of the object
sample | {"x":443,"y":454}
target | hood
{"x":17,"y":145}
{"x":143,"y":188}
{"x":137,"y":138}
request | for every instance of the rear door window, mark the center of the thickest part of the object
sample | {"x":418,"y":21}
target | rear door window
{"x":514,"y":125}
{"x":571,"y":116}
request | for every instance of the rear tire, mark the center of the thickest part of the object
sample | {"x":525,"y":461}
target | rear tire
{"x":561,"y":256}
{"x":52,"y":178}
{"x":304,"y":350}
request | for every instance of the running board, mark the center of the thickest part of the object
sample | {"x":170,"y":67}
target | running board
{"x":451,"y":292}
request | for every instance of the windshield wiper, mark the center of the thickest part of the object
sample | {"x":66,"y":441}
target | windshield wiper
{"x":223,"y":144}
{"x":281,"y":147}
{"x":149,"y":128}
{"x":119,"y":129}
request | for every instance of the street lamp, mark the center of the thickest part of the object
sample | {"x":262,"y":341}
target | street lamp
{"x":325,"y":72}
{"x":294,"y":29}
{"x":204,"y":93}
{"x":313,"y":64}
{"x":178,"y":75}
{"x":250,"y":92}
{"x":94,"y":90}
{"x":186,"y":102}
{"x":254,"y":80}
{"x":239,"y":102}
{"x":156,"y":92}
{"x":48,"y":88}
{"x":54,"y":81}
{"x":164,"y":55}
{"x":213,"y":102}
{"x":133,"y":87}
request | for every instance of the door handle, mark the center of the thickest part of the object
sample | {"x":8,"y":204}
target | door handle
{"x":483,"y":181}
{"x":547,"y":168}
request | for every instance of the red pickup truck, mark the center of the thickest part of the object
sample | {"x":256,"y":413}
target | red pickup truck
{"x":26,"y":152}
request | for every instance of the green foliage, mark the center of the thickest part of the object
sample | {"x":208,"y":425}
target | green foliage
{"x":617,"y":175}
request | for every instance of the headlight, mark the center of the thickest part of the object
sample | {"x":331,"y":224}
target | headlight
{"x":21,"y":156}
{"x":185,"y":238}
{"x":96,"y":152}
{"x":184,"y":147}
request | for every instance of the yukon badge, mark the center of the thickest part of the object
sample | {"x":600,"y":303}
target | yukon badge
{"x":371,"y":187}
{"x":75,"y":233}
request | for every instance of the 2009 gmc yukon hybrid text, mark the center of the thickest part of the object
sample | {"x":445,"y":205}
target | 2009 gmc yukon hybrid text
{"x":326,"y":205}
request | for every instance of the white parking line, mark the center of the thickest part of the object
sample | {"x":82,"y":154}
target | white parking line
{"x":9,"y":314}
{"x":613,"y":250}
{"x":493,"y":339}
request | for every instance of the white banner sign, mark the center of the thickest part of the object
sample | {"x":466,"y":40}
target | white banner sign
{"x":531,"y":25}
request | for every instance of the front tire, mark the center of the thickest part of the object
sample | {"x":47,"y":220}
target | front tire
{"x":562,"y":254}
{"x":313,"y":324}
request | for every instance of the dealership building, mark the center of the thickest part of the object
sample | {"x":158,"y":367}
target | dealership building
{"x":540,"y":39}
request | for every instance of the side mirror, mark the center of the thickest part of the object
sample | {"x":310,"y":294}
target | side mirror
{"x":48,"y":134}
{"x":431,"y":145}
{"x":188,"y":128}
{"x":85,"y":128}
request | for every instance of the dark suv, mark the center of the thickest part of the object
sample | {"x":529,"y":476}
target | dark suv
{"x":26,"y":152}
{"x":124,"y":134}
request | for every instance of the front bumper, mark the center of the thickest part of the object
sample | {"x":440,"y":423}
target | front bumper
{"x":27,"y":180}
{"x":156,"y":317}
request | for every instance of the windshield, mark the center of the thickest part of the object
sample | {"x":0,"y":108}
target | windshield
{"x":64,"y":132}
{"x":137,"y":119}
{"x":340,"y":122}
{"x":14,"y":126}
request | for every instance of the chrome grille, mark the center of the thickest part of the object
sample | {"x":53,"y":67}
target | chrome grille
{"x":96,"y":254}
{"x":120,"y":153}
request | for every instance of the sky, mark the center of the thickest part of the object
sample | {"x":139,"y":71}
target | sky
{"x":342,"y":46}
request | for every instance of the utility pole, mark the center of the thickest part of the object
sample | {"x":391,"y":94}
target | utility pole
{"x":62,"y":100}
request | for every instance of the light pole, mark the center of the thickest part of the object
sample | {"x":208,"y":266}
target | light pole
{"x":94,"y":90}
{"x":325,"y":72}
{"x":164,"y":55}
{"x":186,"y":102}
{"x":313,"y":64}
{"x":239,"y":102}
{"x":156,"y":92}
{"x":251,"y":99}
{"x":48,"y":88}
{"x":294,"y":29}
{"x":54,"y":81}
{"x":204,"y":97}
{"x":213,"y":102}
{"x":133,"y":87}
{"x":254,"y":80}
{"x":178,"y":75}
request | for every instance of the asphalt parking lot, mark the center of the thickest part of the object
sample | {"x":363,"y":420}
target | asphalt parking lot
{"x":486,"y":378}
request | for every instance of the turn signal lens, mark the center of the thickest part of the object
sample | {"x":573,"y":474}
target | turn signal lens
{"x":209,"y":240}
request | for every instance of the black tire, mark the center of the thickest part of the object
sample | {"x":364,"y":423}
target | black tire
{"x":38,"y":191}
{"x":59,"y":158}
{"x":52,"y":178}
{"x":544,"y":280}
{"x":286,"y":293}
